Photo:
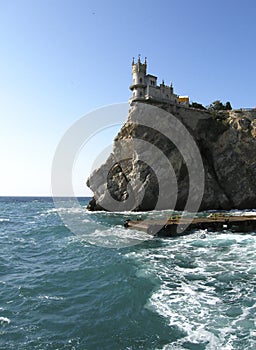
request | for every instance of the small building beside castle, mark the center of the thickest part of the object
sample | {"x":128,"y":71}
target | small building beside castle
{"x":144,"y":87}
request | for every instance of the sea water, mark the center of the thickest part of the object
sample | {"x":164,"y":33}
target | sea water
{"x":60,"y":291}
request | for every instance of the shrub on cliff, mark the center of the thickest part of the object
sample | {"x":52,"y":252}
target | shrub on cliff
{"x":197,"y":105}
{"x":219,"y":106}
{"x":228,"y":106}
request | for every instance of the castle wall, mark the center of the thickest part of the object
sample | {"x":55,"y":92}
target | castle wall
{"x":150,"y":80}
{"x":161,"y":93}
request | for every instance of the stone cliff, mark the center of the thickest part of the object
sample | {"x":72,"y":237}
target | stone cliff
{"x":182,"y":155}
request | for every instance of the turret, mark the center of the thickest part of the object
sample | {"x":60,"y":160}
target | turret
{"x":139,"y":71}
{"x":171,"y":88}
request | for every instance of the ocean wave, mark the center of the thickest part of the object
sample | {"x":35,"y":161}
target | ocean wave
{"x":207,"y":292}
{"x":4,"y":220}
{"x":50,"y":297}
{"x":114,"y":237}
{"x":4,"y":320}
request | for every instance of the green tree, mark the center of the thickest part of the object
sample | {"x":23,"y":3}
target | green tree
{"x":219,"y":106}
{"x":216,"y":106}
{"x":228,"y":106}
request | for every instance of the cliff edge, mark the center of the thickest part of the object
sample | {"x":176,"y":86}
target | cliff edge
{"x":182,"y":154}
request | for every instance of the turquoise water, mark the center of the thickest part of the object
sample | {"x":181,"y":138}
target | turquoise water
{"x":60,"y":291}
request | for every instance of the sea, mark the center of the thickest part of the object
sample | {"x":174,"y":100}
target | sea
{"x":75,"y":291}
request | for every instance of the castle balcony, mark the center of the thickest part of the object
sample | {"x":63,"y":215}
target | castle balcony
{"x":153,"y":99}
{"x":137,"y":99}
{"x":131,"y":87}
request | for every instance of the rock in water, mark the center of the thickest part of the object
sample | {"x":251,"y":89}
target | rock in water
{"x":165,"y":155}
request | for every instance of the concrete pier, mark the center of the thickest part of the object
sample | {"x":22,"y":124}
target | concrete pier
{"x":213,"y":222}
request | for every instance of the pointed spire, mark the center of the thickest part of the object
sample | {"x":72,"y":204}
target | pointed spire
{"x":145,"y":61}
{"x":133,"y":61}
{"x":139,"y":58}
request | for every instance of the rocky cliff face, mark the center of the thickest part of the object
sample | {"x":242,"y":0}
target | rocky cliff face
{"x":167,"y":157}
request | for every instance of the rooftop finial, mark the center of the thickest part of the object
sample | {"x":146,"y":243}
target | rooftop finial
{"x":145,"y":61}
{"x":133,"y":61}
{"x":139,"y":57}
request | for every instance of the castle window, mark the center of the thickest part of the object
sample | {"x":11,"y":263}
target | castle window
{"x":140,"y":94}
{"x":167,"y":96}
{"x":141,"y":80}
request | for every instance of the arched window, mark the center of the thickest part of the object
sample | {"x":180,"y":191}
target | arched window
{"x":140,"y":94}
{"x":140,"y":80}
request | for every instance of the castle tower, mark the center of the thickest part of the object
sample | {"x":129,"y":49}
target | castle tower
{"x":145,"y":88}
{"x":139,"y":71}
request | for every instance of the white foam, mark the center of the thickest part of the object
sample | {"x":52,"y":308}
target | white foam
{"x":187,"y":314}
{"x":48,"y":212}
{"x":63,"y":210}
{"x":115,"y":237}
{"x":48,"y":297}
{"x":4,"y":220}
{"x":86,"y":220}
{"x":187,"y":296}
{"x":4,"y":320}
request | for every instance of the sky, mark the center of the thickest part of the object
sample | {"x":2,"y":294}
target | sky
{"x":62,"y":59}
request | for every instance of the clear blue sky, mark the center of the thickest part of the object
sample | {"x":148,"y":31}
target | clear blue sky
{"x":61,"y":59}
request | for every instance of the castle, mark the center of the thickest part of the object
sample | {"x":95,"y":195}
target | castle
{"x":144,"y":87}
